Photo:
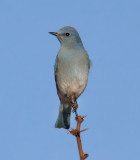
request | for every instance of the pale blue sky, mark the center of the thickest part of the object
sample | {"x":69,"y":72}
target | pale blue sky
{"x":110,"y":31}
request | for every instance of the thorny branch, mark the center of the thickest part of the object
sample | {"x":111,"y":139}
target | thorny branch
{"x":76,"y":132}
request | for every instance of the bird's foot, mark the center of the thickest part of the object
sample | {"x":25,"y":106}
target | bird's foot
{"x":74,"y":107}
{"x":73,"y":99}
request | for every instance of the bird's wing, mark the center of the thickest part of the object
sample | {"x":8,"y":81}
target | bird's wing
{"x":55,"y":73}
{"x":89,"y":63}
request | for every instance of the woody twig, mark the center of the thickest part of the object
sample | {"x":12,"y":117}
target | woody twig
{"x":76,"y":132}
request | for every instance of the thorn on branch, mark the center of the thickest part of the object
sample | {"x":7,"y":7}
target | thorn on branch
{"x":84,"y":130}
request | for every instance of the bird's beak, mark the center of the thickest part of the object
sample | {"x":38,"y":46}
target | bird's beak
{"x":54,"y":33}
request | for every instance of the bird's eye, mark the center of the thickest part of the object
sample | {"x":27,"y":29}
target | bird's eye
{"x":67,"y":34}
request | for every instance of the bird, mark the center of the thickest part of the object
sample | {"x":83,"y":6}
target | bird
{"x":71,"y":70}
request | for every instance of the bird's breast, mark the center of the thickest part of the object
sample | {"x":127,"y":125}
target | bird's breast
{"x":72,"y":73}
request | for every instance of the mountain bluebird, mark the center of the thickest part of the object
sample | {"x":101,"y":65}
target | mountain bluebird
{"x":71,"y":72}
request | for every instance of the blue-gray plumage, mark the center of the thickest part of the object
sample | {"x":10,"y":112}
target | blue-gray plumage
{"x":71,"y":72}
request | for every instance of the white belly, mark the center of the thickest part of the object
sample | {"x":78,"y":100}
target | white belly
{"x":72,"y":80}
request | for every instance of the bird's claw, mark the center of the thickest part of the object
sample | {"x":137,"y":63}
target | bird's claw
{"x":74,"y":107}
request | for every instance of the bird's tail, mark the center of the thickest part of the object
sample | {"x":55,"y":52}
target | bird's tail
{"x":63,"y":120}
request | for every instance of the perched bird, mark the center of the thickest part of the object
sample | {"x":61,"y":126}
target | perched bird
{"x":71,"y":72}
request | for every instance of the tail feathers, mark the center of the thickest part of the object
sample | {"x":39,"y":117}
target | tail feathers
{"x":63,"y":120}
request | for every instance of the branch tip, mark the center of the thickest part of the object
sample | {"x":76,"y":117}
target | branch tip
{"x":84,"y":116}
{"x":84,"y":130}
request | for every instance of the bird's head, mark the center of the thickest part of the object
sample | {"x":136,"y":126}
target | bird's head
{"x":68,"y":37}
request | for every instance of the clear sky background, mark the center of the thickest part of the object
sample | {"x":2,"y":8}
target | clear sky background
{"x":110,"y":31}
